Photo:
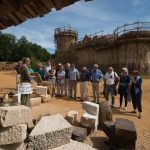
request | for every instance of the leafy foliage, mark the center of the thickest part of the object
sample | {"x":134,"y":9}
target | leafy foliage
{"x":12,"y":49}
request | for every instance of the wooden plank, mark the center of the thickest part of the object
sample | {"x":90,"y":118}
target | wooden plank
{"x":2,"y":26}
{"x":48,"y":3}
{"x":25,"y":13}
{"x":41,"y":7}
{"x":58,"y":4}
{"x":21,"y":17}
{"x":30,"y":10}
{"x":36,"y":8}
{"x":13,"y":18}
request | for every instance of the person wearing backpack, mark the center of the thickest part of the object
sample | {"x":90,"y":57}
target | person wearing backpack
{"x":110,"y":82}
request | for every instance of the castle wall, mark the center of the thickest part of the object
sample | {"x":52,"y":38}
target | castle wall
{"x":132,"y":54}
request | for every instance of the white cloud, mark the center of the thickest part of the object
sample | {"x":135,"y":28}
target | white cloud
{"x":42,"y":35}
{"x":136,"y":2}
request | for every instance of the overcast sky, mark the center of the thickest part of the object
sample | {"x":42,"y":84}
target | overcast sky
{"x":87,"y":17}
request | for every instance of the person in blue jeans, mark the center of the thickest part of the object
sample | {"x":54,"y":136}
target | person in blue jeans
{"x":136,"y":92}
{"x":124,"y":86}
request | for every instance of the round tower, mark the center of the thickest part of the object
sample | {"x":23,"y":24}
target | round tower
{"x":64,"y":37}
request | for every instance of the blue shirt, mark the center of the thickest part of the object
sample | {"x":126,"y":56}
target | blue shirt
{"x":73,"y":74}
{"x":96,"y":75}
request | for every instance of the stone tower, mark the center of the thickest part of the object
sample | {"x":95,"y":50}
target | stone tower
{"x":64,"y":38}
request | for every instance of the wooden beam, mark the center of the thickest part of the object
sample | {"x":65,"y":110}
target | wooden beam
{"x":58,"y":4}
{"x":30,"y":10}
{"x":21,"y":17}
{"x":13,"y":18}
{"x":48,"y":3}
{"x":36,"y":8}
{"x":2,"y":26}
{"x":41,"y":7}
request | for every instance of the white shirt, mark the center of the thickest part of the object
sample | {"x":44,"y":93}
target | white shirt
{"x":110,"y":78}
{"x":47,"y":69}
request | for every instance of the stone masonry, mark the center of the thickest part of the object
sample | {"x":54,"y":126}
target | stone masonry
{"x":50,"y":132}
{"x":12,"y":135}
{"x":14,"y":115}
{"x":91,"y":108}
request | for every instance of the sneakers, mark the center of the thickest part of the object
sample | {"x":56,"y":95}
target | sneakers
{"x":125,"y":108}
{"x":134,"y":112}
{"x":140,"y":117}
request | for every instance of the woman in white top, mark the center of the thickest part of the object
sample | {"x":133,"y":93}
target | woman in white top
{"x":61,"y":81}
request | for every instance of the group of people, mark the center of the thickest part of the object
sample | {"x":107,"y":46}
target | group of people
{"x":62,"y":81}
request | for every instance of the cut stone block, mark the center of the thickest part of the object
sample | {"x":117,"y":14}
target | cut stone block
{"x":41,"y":90}
{"x":72,"y":116}
{"x":109,"y":128}
{"x":90,"y":121}
{"x":45,"y":98}
{"x":12,"y":135}
{"x":91,"y":108}
{"x":79,"y":134}
{"x":35,"y":101}
{"x":18,"y":146}
{"x":105,"y":113}
{"x":74,"y":145}
{"x":14,"y":115}
{"x":126,"y":128}
{"x":50,"y":132}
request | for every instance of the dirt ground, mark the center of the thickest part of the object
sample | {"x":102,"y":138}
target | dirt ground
{"x":62,"y":106}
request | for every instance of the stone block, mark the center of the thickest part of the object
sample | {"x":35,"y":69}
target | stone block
{"x":90,"y":121}
{"x":126,"y":128}
{"x":91,"y":108}
{"x":12,"y":135}
{"x":50,"y":132}
{"x":35,"y":101}
{"x":79,"y":134}
{"x":14,"y":115}
{"x":105,"y":113}
{"x":72,"y":116}
{"x":74,"y":145}
{"x":109,"y":128}
{"x":18,"y":146}
{"x":45,"y":98}
{"x":41,"y":90}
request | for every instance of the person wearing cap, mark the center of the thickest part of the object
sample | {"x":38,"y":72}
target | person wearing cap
{"x":73,"y":77}
{"x":96,"y":77}
{"x":124,"y":87}
{"x":110,"y":82}
{"x":84,"y":78}
{"x":136,"y":92}
{"x":67,"y":67}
